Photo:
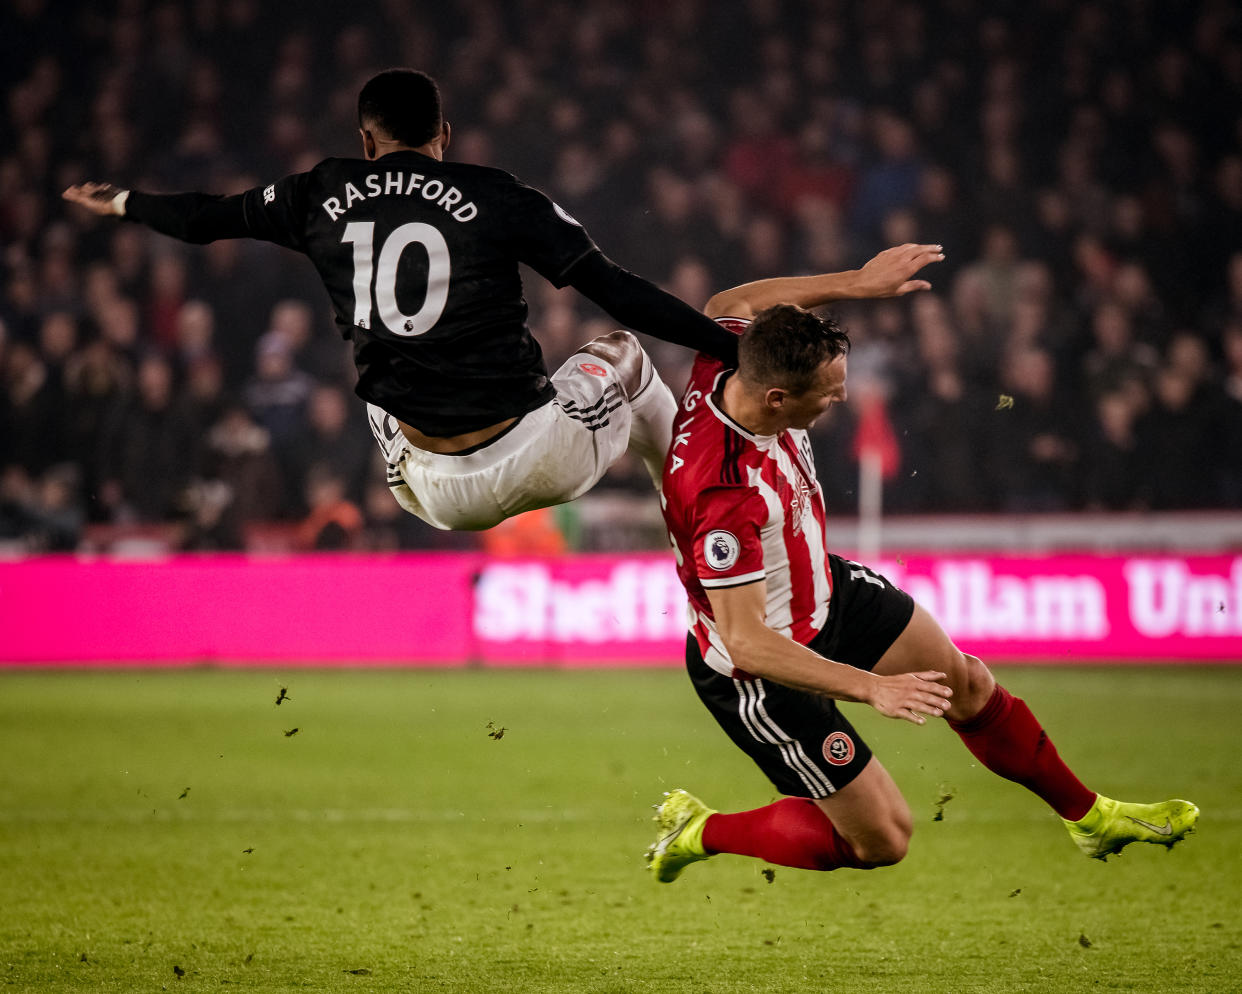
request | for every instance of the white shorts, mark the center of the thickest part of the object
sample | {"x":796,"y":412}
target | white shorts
{"x":552,"y":455}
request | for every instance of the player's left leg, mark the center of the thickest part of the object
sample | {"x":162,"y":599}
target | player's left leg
{"x":1003,"y":734}
{"x":994,"y":725}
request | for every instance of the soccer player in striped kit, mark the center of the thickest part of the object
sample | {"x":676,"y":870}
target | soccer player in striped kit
{"x":782,"y":628}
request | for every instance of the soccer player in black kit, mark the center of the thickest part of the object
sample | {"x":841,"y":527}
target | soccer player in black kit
{"x":420,"y":258}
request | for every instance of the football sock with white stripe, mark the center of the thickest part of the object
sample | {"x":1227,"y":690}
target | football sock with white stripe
{"x":792,"y":832}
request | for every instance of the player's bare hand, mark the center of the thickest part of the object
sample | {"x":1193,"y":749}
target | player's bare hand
{"x":103,"y":199}
{"x":912,"y":697}
{"x":889,"y":273}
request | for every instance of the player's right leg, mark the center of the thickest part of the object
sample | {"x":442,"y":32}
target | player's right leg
{"x":863,"y":825}
{"x":652,"y":405}
{"x":872,"y":817}
{"x":608,"y":398}
{"x":542,"y":459}
{"x":841,"y":808}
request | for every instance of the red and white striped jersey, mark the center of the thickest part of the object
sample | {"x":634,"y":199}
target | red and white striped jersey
{"x":740,"y":508}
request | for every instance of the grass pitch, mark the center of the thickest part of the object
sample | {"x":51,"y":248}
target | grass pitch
{"x":483,"y":831}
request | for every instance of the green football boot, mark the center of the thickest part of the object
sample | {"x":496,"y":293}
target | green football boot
{"x":681,"y":817}
{"x":1111,"y":825}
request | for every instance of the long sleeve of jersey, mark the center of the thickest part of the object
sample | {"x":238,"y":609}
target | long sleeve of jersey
{"x":190,"y":217}
{"x":643,"y":306}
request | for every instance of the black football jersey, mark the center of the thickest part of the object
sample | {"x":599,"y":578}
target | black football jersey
{"x":420,"y":258}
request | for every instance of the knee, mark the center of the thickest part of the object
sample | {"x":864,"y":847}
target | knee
{"x":886,"y":841}
{"x":619,"y":339}
{"x":621,"y":350}
{"x":972,"y":688}
{"x":883,"y":848}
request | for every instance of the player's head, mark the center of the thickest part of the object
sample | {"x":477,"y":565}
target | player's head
{"x":795,"y":362}
{"x":400,"y":107}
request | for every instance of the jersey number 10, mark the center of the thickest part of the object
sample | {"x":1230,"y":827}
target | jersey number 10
{"x":383,"y":272}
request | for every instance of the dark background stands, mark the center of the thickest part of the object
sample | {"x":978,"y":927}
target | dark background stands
{"x":1080,"y":162}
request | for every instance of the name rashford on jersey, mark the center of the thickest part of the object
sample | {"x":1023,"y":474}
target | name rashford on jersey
{"x":419,"y":257}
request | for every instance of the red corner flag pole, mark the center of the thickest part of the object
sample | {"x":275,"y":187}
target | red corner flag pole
{"x":879,"y":458}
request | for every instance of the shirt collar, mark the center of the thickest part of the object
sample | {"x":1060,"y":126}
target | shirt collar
{"x":761,"y":442}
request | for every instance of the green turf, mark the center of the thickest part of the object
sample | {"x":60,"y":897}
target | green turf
{"x":394,"y":834}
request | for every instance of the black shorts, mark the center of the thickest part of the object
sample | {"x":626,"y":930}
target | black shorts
{"x":801,"y":741}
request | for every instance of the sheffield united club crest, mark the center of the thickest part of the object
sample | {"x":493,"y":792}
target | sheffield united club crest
{"x":838,"y":748}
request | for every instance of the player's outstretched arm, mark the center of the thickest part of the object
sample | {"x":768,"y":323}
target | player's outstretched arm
{"x":889,"y":274}
{"x":190,"y":217}
{"x":103,"y":199}
{"x":762,"y":652}
{"x":636,"y":303}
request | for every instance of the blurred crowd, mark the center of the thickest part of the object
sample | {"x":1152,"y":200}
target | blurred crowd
{"x":1081,"y":163}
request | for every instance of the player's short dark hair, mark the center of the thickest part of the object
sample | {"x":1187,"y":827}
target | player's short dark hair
{"x":785,"y":345}
{"x":404,"y":104}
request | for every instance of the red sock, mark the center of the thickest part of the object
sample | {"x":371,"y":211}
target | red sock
{"x":793,"y":832}
{"x":1007,"y":739}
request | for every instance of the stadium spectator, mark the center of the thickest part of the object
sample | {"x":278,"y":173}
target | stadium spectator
{"x":892,"y":178}
{"x":55,"y":517}
{"x":982,"y":342}
{"x":939,"y":209}
{"x":200,"y":403}
{"x":1113,"y":460}
{"x":1227,"y":306}
{"x":31,"y":415}
{"x":16,"y":498}
{"x":1229,"y":450}
{"x":945,"y":416}
{"x":98,"y":381}
{"x":1176,"y":434}
{"x":996,"y":273}
{"x":1134,"y":291}
{"x":121,"y":328}
{"x":815,"y":174}
{"x":1115,"y":357}
{"x":333,"y":522}
{"x":147,"y":452}
{"x":240,"y":485}
{"x":194,"y":331}
{"x":328,"y":437}
{"x":324,"y":356}
{"x":1033,"y":438}
{"x":758,"y":157}
{"x":165,"y":299}
{"x":234,"y":277}
{"x":278,"y":391}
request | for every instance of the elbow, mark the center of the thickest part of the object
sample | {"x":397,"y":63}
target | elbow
{"x":725,"y":305}
{"x":745,"y":651}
